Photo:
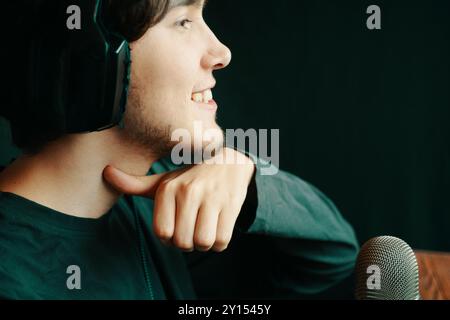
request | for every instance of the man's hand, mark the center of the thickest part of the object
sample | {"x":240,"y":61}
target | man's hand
{"x":196,"y":206}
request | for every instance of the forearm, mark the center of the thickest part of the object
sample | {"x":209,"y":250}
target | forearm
{"x":315,"y":246}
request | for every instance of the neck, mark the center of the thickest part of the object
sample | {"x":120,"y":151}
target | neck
{"x":67,"y":175}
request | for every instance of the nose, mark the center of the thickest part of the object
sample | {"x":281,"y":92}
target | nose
{"x":218,"y":55}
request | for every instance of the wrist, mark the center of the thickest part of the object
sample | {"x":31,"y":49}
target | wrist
{"x":241,"y":159}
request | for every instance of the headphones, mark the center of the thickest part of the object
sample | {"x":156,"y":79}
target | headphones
{"x":79,"y":77}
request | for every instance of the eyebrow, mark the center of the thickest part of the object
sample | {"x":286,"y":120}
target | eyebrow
{"x":179,"y":3}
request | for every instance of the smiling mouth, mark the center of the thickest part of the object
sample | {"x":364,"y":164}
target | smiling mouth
{"x":205,"y":96}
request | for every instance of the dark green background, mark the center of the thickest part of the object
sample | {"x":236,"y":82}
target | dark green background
{"x":362,"y":114}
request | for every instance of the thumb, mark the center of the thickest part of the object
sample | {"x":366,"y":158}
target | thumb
{"x":130,"y":184}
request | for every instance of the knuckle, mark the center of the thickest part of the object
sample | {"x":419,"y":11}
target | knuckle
{"x":183,"y":244}
{"x":190,"y":187}
{"x":204,"y":242}
{"x":163,"y":233}
{"x":184,"y":186}
{"x":218,"y":248}
{"x":167,"y":185}
{"x":222,"y":242}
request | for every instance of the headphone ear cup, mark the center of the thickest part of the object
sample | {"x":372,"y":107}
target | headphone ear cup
{"x":119,"y":70}
{"x":118,"y":78}
{"x":71,"y":81}
{"x":100,"y":90}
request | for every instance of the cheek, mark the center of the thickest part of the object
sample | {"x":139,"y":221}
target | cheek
{"x":161,"y":103}
{"x":164,"y":77}
{"x":175,"y":77}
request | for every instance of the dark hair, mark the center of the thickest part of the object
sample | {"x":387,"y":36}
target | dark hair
{"x":30,"y":131}
{"x":131,"y":18}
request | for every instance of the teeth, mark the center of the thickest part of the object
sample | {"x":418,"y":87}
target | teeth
{"x":197,"y":97}
{"x":207,"y":96}
{"x":204,"y":96}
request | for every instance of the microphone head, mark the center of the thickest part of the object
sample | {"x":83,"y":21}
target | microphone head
{"x":386,"y":269}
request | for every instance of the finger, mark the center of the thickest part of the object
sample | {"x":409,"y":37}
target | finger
{"x":187,"y":205}
{"x":164,"y":211}
{"x":206,"y":226}
{"x":225,"y":227}
{"x":134,"y":185}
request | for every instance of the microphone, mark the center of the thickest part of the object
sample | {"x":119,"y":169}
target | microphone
{"x":386,"y":269}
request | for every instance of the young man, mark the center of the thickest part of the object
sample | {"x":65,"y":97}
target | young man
{"x":207,"y":230}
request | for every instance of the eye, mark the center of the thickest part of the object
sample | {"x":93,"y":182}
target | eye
{"x":185,"y":23}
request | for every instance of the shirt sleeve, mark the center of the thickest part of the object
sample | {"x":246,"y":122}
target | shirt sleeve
{"x":316,"y":247}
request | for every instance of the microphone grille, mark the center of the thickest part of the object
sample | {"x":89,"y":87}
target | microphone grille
{"x":393,"y":261}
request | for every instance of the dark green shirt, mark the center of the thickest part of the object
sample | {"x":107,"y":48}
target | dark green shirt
{"x":290,"y":241}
